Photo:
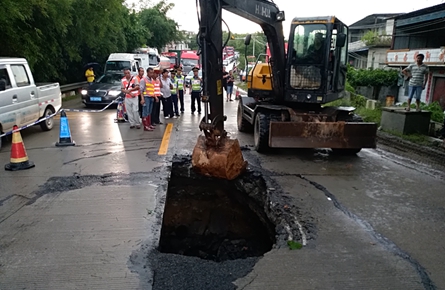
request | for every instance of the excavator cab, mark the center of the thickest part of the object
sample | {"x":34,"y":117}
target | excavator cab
{"x":315,"y":63}
{"x":316,"y":60}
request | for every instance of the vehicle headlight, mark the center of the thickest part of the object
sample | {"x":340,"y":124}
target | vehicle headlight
{"x":84,"y":92}
{"x":114,"y":93}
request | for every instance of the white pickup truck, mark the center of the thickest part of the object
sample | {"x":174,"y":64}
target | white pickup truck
{"x":21,"y":101}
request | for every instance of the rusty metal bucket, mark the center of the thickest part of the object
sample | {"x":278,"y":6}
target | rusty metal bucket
{"x":225,"y":161}
{"x":322,"y":135}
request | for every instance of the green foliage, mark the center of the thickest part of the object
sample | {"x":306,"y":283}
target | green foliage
{"x":437,"y":113}
{"x":415,"y":138}
{"x":372,"y":38}
{"x":369,"y":115}
{"x":58,"y":37}
{"x":163,"y":29}
{"x":372,"y":77}
{"x":294,"y":245}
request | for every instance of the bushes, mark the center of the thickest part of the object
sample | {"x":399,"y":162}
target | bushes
{"x":437,"y":114}
{"x":372,"y":77}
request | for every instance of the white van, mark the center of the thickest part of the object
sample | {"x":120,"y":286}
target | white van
{"x":118,"y":61}
{"x":21,"y":101}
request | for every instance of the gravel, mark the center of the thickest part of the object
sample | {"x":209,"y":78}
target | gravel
{"x":181,"y":272}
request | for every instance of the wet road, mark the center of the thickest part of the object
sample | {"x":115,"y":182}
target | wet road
{"x":85,"y":216}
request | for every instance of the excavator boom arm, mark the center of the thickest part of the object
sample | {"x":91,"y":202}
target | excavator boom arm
{"x":263,"y":12}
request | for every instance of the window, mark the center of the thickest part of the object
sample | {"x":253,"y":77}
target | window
{"x":117,"y":65}
{"x":20,"y":75}
{"x":5,"y":82}
{"x":153,"y":59}
{"x":309,"y":43}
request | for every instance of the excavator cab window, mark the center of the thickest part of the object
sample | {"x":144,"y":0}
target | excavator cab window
{"x":309,"y":50}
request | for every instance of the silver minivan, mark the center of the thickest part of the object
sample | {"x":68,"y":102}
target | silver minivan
{"x":22,"y":102}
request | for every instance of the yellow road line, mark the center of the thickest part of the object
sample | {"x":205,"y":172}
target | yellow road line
{"x":166,"y":139}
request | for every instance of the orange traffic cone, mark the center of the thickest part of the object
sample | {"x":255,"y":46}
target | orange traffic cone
{"x":120,"y":112}
{"x":19,"y":158}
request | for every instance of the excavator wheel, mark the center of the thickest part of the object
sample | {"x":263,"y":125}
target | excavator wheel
{"x":243,"y":124}
{"x":261,"y":132}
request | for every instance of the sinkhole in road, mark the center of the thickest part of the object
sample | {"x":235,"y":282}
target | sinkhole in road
{"x":215,"y":219}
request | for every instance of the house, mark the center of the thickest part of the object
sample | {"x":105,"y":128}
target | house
{"x":421,"y":32}
{"x":370,"y":53}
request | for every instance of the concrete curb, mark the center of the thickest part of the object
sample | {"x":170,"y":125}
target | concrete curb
{"x":430,"y":150}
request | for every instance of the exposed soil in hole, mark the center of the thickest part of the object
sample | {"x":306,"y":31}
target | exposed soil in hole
{"x":214,"y":219}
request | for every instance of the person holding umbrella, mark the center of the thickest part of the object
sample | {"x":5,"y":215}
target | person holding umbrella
{"x":89,"y":74}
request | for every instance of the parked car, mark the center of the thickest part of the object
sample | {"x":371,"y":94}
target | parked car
{"x":22,"y":102}
{"x":190,"y":76}
{"x":102,"y":92}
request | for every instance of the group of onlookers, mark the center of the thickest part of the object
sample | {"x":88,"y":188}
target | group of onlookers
{"x":144,"y":94}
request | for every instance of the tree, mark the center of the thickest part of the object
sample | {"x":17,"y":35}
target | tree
{"x":163,"y":29}
{"x":58,"y":37}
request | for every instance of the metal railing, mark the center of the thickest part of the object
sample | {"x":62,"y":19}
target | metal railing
{"x":72,"y":87}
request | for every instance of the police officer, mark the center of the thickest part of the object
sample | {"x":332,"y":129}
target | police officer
{"x":196,"y":83}
{"x":180,"y":79}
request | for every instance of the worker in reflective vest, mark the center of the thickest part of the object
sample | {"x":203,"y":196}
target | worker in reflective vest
{"x":130,"y":87}
{"x":174,"y":92}
{"x":157,"y":103}
{"x":148,"y":93}
{"x":180,"y":80}
{"x":196,"y":82}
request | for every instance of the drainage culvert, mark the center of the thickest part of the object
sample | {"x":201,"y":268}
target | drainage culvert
{"x":214,"y":219}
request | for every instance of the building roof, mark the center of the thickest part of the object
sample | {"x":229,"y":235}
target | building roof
{"x":357,"y":46}
{"x":370,"y":20}
{"x":435,"y":8}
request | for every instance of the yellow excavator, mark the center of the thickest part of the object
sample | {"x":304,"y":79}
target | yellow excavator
{"x":284,"y":106}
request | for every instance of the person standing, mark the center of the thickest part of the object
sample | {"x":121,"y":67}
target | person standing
{"x":230,"y":80}
{"x":89,"y":74}
{"x":180,"y":79}
{"x":157,"y":101}
{"x":174,"y":94}
{"x":225,"y":75}
{"x":418,"y":73}
{"x":140,"y":77}
{"x":130,"y":87}
{"x":196,"y":83}
{"x":166,"y":88}
{"x":148,"y":93}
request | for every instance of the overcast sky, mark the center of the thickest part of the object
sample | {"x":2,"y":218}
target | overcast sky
{"x":184,"y":12}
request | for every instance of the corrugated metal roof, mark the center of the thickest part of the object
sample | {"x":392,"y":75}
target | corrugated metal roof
{"x":357,"y":46}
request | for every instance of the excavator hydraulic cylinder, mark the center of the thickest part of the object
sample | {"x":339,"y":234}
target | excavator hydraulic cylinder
{"x":215,"y":154}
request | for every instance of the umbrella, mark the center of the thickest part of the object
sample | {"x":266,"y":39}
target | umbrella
{"x":92,"y":64}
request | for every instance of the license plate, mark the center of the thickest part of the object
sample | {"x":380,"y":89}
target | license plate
{"x":95,"y":99}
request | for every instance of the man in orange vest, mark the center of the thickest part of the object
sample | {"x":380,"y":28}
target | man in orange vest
{"x":148,"y":93}
{"x":130,"y":87}
{"x":158,"y":96}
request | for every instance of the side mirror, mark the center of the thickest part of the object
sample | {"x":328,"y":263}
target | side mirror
{"x":341,"y":40}
{"x":247,"y":39}
{"x":158,"y":58}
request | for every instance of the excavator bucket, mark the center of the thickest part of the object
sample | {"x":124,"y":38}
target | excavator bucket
{"x":322,"y":135}
{"x":224,"y":161}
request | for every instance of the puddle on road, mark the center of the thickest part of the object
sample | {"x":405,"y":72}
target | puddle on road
{"x":214,"y":219}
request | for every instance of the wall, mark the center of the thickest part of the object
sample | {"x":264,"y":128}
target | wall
{"x":377,"y":57}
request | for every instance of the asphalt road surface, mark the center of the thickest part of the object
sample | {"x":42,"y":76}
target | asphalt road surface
{"x":89,"y":216}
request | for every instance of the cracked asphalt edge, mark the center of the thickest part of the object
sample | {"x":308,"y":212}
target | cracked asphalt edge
{"x":427,"y":283}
